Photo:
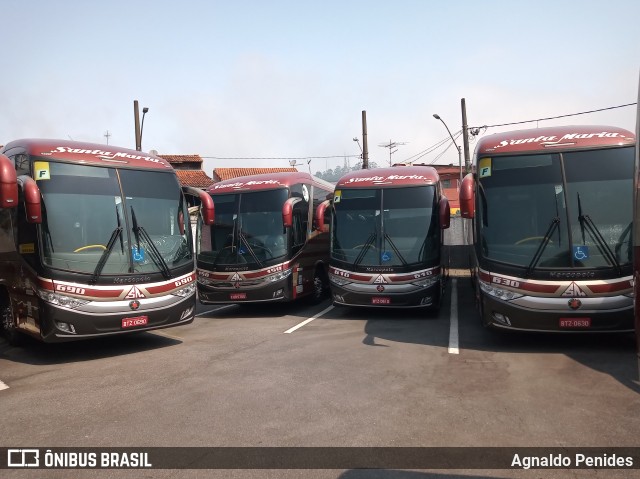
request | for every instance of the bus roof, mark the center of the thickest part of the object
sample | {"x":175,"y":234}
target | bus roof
{"x":392,"y":176}
{"x":268,"y":181}
{"x":554,"y":138}
{"x":93,"y":154}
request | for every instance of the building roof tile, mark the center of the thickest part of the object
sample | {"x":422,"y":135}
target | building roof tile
{"x":195,"y":178}
{"x":221,"y":174}
{"x":177,"y":159}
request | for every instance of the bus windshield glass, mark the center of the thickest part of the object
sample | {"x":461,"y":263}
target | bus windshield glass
{"x":135,"y":221}
{"x":392,"y":227}
{"x":557,"y":210}
{"x":248,"y":230}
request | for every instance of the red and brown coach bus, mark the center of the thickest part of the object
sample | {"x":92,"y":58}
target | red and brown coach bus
{"x":636,"y":230}
{"x":552,"y":228}
{"x":386,"y":238}
{"x":92,"y":242}
{"x":269,"y":240}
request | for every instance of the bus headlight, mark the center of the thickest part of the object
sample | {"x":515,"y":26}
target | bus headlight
{"x":338,"y":280}
{"x":205,"y":281}
{"x":62,"y":300}
{"x":499,"y":293}
{"x":426,"y":282}
{"x":185,"y":292}
{"x":280,"y":275}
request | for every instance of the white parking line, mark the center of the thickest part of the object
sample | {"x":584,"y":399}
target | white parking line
{"x":453,"y":326}
{"x":3,"y":386}
{"x":307,"y":321}
{"x":217,"y":309}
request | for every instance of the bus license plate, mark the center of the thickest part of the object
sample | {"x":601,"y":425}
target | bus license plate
{"x":380,"y":300}
{"x":568,"y":323}
{"x":136,"y":321}
{"x":235,"y":296}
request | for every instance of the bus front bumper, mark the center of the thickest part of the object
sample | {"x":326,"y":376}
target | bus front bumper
{"x":389,"y":296}
{"x":268,"y":292}
{"x":610,"y":314}
{"x":62,"y":324}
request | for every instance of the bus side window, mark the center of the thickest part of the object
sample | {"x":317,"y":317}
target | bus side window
{"x":21,"y":161}
{"x":299,"y":230}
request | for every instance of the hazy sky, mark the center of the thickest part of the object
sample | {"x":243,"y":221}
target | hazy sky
{"x":291,"y":78}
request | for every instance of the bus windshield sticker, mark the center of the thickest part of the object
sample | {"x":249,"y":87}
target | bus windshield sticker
{"x":336,"y":196}
{"x":41,"y":170}
{"x":485,"y":167}
{"x":137,"y":254}
{"x":581,"y":252}
{"x":558,"y":189}
{"x":386,"y":256}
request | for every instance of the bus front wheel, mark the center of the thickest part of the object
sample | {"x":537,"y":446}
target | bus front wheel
{"x":320,"y":286}
{"x":9,"y":330}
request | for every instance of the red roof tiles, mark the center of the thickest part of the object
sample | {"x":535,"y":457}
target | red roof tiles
{"x":221,"y":174}
{"x":195,"y":178}
{"x":176,"y":159}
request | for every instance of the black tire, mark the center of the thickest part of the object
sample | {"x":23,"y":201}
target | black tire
{"x":320,"y":286}
{"x":7,"y":324}
{"x":480,"y":309}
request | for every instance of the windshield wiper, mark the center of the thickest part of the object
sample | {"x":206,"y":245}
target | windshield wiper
{"x":595,"y":233}
{"x":45,"y":227}
{"x":243,"y":239}
{"x":543,"y":244}
{"x":105,"y":255}
{"x":153,"y":249}
{"x":365,"y":247}
{"x":395,"y":249}
{"x":483,"y":198}
{"x":120,"y":226}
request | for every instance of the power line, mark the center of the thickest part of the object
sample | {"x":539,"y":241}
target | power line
{"x":474,"y":131}
{"x":277,"y":157}
{"x":471,"y":129}
{"x":432,"y":148}
{"x":422,"y":153}
{"x":441,"y":154}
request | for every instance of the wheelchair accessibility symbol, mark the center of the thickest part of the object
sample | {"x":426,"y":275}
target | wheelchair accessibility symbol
{"x":137,"y":254}
{"x":581,"y":252}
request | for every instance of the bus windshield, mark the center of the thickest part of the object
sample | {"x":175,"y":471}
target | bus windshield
{"x":248,"y":230}
{"x":133,"y":221}
{"x":557,"y":210}
{"x":392,"y":227}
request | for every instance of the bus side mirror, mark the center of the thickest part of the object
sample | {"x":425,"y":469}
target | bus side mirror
{"x":32,"y":204}
{"x":8,"y":184}
{"x":287,"y":212}
{"x":207,"y":208}
{"x":445,"y":213}
{"x":320,"y":212}
{"x":468,"y":197}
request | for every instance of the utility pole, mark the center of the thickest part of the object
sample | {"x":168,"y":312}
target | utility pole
{"x":107,"y":135}
{"x":365,"y":145}
{"x":465,"y":136}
